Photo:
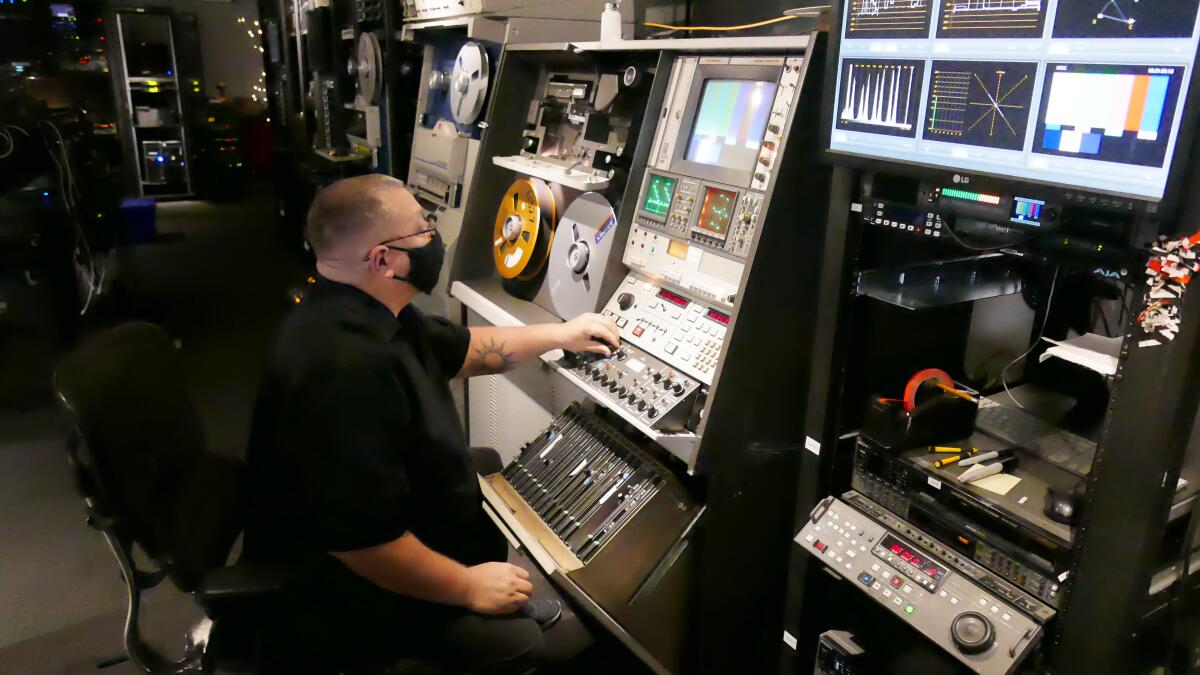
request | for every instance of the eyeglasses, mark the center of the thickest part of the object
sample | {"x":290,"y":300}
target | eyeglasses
{"x":430,"y":220}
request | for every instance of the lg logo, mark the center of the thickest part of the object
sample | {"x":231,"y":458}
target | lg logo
{"x":963,"y":180}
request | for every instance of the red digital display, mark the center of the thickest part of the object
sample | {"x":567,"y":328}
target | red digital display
{"x":671,"y":297}
{"x":913,"y":557}
{"x":718,"y":317}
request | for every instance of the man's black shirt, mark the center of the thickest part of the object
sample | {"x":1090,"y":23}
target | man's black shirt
{"x":356,"y":441}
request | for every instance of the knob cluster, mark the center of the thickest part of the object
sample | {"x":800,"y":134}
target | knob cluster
{"x":640,"y":386}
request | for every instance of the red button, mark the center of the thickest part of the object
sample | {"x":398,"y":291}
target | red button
{"x":820,"y":546}
{"x":637,"y":332}
{"x":897,"y":582}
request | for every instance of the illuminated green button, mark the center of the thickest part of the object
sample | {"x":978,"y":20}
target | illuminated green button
{"x":909,"y":609}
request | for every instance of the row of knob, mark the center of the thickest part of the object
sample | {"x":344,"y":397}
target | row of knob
{"x":667,"y":383}
{"x":643,"y":400}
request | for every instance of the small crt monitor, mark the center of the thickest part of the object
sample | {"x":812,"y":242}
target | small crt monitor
{"x":1083,"y":95}
{"x":729,"y":126}
{"x":716,"y":215}
{"x":659,"y":191}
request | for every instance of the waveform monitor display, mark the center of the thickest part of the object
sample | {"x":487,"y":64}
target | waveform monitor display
{"x":1125,"y":18}
{"x":880,"y":97}
{"x":1080,"y":94}
{"x":730,"y":123}
{"x":888,"y":18}
{"x":659,"y":191}
{"x":1109,"y":113}
{"x":991,"y":18}
{"x":717,"y":212}
{"x":980,"y":103}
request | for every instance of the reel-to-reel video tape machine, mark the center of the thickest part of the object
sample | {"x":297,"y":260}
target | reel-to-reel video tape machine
{"x":573,"y":157}
{"x":456,"y":92}
{"x":640,"y":183}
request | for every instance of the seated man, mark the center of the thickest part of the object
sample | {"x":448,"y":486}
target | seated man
{"x":360,"y":471}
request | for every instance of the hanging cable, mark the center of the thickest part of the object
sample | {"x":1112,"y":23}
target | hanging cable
{"x":12,"y":145}
{"x":1038,"y":339}
{"x":91,"y":271}
{"x":984,"y":249}
{"x":747,"y":26}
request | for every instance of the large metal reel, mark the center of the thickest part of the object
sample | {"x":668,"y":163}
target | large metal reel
{"x":369,"y":67}
{"x":524,"y":229}
{"x":469,"y":83}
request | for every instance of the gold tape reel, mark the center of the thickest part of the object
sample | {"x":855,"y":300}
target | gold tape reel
{"x":524,"y":229}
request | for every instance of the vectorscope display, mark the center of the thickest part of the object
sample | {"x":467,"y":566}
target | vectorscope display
{"x":1087,"y":94}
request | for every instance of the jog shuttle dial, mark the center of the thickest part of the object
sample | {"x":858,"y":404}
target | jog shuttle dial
{"x":972,"y":633}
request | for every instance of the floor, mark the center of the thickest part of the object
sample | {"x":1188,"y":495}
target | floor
{"x":219,"y":281}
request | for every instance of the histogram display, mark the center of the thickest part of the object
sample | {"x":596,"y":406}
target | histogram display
{"x":730,"y":123}
{"x":1077,"y":94}
{"x":980,"y":103}
{"x":1108,"y":113}
{"x":880,"y":97}
{"x":872,"y":19}
{"x":1125,"y":18}
{"x":991,"y":19}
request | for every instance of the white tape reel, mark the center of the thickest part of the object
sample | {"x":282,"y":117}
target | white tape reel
{"x":469,"y":83}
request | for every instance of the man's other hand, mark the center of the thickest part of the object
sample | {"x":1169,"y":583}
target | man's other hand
{"x":590,"y":333}
{"x":497,"y":588}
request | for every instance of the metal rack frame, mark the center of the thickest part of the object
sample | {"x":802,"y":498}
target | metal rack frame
{"x":753,"y":440}
{"x":1126,"y":511}
{"x":122,"y":82}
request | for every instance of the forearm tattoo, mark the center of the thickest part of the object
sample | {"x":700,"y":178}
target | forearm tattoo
{"x":491,"y":359}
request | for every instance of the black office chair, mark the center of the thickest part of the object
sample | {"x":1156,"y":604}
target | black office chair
{"x":142,"y":467}
{"x":139,"y":457}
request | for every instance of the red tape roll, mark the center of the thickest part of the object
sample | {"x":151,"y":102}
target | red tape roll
{"x":923,"y":376}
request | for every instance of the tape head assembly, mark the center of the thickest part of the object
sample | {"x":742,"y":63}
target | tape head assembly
{"x":524,"y":230}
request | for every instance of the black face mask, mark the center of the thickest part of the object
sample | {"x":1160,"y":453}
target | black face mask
{"x":425,"y":264}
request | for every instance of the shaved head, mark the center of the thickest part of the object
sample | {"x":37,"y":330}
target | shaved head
{"x":353,"y":214}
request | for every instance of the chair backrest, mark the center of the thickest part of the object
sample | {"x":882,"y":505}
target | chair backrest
{"x":143,"y":465}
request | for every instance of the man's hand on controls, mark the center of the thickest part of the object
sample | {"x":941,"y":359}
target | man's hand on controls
{"x":590,"y":333}
{"x":497,"y":588}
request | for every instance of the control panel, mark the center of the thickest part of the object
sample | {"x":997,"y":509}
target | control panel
{"x":781,"y":110}
{"x":899,"y":487}
{"x":692,"y":269}
{"x":895,"y":568}
{"x":903,"y":219}
{"x":712,"y":215}
{"x":683,"y":333}
{"x":656,"y":394}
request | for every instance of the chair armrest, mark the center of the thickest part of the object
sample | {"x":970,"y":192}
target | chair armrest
{"x":241,"y":581}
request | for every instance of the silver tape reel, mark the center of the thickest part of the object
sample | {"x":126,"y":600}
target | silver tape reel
{"x":469,"y":83}
{"x":368,"y":67}
{"x":582,"y":246}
